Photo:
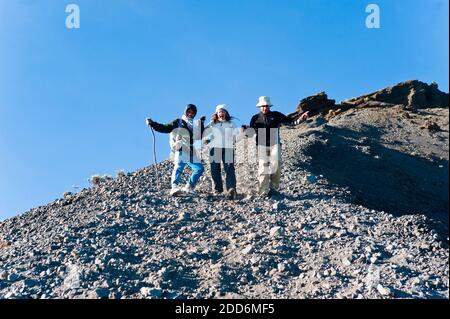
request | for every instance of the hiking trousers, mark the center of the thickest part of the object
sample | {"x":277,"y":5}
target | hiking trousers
{"x":225,"y":156}
{"x":269,"y":168}
{"x":181,"y":160}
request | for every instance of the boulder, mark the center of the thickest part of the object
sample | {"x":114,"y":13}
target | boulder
{"x":412,"y":94}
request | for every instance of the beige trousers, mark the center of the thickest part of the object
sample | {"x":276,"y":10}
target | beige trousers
{"x":269,"y":168}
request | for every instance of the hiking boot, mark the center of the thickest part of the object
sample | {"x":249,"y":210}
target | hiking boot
{"x":188,"y":190}
{"x":175,"y":191}
{"x":273,"y":193}
{"x":263,"y":196}
{"x":231,"y":194}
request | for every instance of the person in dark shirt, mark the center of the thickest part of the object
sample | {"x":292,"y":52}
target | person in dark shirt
{"x":184,"y":132}
{"x":266,"y":125}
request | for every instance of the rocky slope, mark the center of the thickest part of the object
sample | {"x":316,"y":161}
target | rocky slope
{"x":364,"y":214}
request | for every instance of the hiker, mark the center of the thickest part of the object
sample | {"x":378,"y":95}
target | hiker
{"x":221,"y":135}
{"x":266,"y":124}
{"x":184,"y":132}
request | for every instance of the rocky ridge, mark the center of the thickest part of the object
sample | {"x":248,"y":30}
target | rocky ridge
{"x":364,"y":214}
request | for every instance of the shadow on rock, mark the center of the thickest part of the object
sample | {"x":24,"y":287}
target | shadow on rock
{"x":381,"y":178}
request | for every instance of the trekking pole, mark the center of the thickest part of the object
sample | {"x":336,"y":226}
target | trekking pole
{"x":247,"y":163}
{"x":154,"y":145}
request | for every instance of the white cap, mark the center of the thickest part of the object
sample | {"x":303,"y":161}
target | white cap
{"x":221,"y":107}
{"x":263,"y":101}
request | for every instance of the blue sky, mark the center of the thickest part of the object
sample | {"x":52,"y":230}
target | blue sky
{"x":73,"y":102}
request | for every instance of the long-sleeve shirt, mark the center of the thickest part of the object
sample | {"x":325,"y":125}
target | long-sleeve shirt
{"x":182,"y":137}
{"x":267,"y":127}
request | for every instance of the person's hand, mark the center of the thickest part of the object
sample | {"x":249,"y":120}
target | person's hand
{"x":177,"y":145}
{"x":243,"y":128}
{"x":203,"y":119}
{"x":149,"y":122}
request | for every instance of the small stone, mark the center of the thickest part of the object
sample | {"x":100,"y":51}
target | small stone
{"x":247,"y":250}
{"x":384,"y":291}
{"x":281,"y":267}
{"x":276,"y":231}
{"x":183,"y":216}
{"x":326,"y":285}
{"x":151,"y":292}
{"x":431,"y":126}
{"x":416,"y":281}
{"x":4,"y":244}
{"x":3,"y":275}
{"x":120,"y":214}
{"x":98,"y":262}
{"x":145,"y":291}
{"x":9,"y":295}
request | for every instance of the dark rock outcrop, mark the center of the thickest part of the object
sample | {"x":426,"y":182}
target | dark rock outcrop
{"x":316,"y":104}
{"x":412,"y":94}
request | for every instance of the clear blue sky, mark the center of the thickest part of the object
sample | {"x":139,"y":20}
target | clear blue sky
{"x":73,"y":102}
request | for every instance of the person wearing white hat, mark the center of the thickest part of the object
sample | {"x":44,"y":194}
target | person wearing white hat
{"x":221,"y":134}
{"x":266,"y":125}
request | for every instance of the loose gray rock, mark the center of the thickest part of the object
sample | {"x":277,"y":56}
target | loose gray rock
{"x":247,"y":250}
{"x":109,"y":240}
{"x":384,"y":291}
{"x":151,"y":292}
{"x":276,"y":231}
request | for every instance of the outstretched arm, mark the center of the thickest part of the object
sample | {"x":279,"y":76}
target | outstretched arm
{"x":162,"y":128}
{"x":289,"y":122}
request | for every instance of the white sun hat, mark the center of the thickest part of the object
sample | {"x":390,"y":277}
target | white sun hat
{"x":263,"y":101}
{"x":221,"y":107}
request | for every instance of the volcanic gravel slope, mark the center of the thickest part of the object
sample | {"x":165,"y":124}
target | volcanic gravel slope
{"x":364,"y":214}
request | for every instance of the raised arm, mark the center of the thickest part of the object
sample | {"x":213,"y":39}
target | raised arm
{"x":163,"y":128}
{"x":289,"y":122}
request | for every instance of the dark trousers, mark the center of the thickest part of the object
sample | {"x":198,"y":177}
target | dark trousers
{"x":225,"y":156}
